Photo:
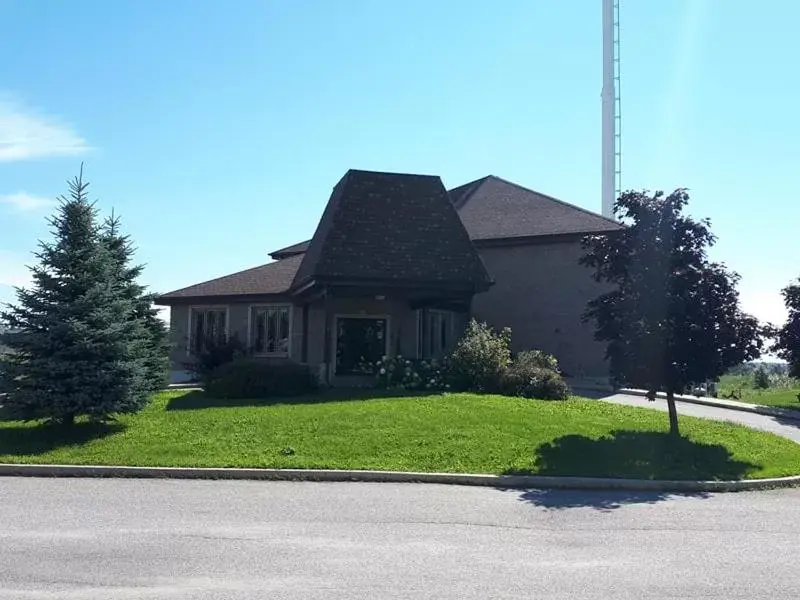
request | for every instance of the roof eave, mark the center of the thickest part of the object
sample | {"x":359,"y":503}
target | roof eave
{"x":167,"y":300}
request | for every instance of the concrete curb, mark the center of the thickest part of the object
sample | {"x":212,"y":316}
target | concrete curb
{"x":768,"y":411}
{"x":497,"y":481}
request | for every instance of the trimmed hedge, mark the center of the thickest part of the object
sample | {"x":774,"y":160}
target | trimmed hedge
{"x":252,"y":378}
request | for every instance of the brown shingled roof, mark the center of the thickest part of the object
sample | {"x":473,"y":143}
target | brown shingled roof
{"x":292,"y":250}
{"x":272,"y":278}
{"x":493,"y":208}
{"x":391,"y":227}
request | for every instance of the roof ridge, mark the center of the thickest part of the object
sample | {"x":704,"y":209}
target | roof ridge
{"x":392,"y":173}
{"x":473,"y":187}
{"x":548,"y":197}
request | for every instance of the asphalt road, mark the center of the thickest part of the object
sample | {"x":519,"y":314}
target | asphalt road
{"x":106,"y":539}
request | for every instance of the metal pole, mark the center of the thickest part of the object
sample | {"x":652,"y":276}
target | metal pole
{"x":609,"y":121}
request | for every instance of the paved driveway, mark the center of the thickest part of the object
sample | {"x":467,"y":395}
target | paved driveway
{"x":107,"y":539}
{"x":784,"y":427}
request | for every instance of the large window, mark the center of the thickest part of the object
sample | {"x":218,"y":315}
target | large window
{"x":435,"y":333}
{"x":208,"y":325}
{"x":270,"y":330}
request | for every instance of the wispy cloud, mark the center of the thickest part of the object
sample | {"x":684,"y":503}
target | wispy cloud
{"x":26,"y":133}
{"x":24,"y":202}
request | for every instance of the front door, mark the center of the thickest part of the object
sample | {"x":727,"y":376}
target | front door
{"x":359,"y":340}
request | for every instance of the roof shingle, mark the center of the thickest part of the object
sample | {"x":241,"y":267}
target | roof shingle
{"x":493,"y":208}
{"x":272,"y":278}
{"x":391,"y":227}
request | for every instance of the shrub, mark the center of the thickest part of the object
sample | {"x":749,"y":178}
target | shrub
{"x":535,"y":358}
{"x":480,"y":359}
{"x":534,"y":374}
{"x":761,"y":379}
{"x":397,"y":372}
{"x":251,"y":378}
{"x":215,"y":354}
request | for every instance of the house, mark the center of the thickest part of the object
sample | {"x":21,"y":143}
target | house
{"x":398,"y":265}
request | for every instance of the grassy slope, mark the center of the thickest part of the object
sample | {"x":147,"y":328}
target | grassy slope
{"x":781,"y":397}
{"x":455,"y":432}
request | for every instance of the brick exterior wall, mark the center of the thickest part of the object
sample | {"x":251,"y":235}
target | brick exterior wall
{"x":540,"y":292}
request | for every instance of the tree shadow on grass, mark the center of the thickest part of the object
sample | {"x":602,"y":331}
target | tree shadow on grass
{"x":196,"y":399}
{"x":629,"y":455}
{"x":27,"y":441}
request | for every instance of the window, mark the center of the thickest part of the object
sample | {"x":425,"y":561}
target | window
{"x":270,"y":330}
{"x":436,"y":333}
{"x":208,"y":325}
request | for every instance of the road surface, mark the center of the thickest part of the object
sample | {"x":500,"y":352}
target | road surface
{"x":105,"y":539}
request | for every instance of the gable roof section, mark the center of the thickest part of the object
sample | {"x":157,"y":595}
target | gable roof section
{"x":270,"y":279}
{"x":391,"y":227}
{"x":493,"y":208}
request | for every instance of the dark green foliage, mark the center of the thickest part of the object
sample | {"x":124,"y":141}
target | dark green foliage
{"x":535,"y":382}
{"x":530,"y":359}
{"x":480,"y":359}
{"x":151,"y":336}
{"x":787,"y":343}
{"x":761,"y":379}
{"x":214,"y":354}
{"x":534,"y":374}
{"x":252,"y":378}
{"x":673,"y":318}
{"x":78,"y":347}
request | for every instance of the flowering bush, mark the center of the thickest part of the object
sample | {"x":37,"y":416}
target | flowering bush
{"x":397,"y":372}
{"x":480,"y":359}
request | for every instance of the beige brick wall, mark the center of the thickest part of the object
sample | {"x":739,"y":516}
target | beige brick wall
{"x":541,"y":292}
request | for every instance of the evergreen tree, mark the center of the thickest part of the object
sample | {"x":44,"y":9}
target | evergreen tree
{"x":672,"y":319}
{"x":151,"y":334}
{"x":761,"y":379}
{"x":76,"y":350}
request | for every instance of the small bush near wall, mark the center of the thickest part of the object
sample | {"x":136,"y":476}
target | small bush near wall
{"x":214,"y":355}
{"x":535,"y":374}
{"x":480,"y":359}
{"x":251,"y":378}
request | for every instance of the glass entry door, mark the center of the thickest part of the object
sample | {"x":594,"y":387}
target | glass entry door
{"x":359,"y":340}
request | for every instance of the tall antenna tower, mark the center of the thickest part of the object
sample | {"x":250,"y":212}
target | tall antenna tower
{"x":612,"y":108}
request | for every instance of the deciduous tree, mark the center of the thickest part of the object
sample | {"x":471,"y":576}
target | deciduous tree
{"x":672,"y":317}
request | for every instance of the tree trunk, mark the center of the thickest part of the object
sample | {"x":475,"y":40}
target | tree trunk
{"x":673,"y":415}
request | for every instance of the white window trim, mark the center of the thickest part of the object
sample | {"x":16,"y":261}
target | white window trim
{"x":205,"y":307}
{"x":250,"y":309}
{"x":387,"y":347}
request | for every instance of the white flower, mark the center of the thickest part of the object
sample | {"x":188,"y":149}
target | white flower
{"x":383,"y":371}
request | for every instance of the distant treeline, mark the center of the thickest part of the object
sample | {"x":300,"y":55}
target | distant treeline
{"x":749,"y":368}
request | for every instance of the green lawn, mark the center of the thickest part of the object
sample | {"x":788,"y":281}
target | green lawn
{"x":783,"y":397}
{"x":451,"y":432}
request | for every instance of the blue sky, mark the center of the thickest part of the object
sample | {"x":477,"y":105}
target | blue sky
{"x":217,"y":129}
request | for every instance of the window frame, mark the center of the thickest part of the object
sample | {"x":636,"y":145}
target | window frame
{"x":206,"y":308}
{"x":424,"y":342}
{"x":251,"y":321}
